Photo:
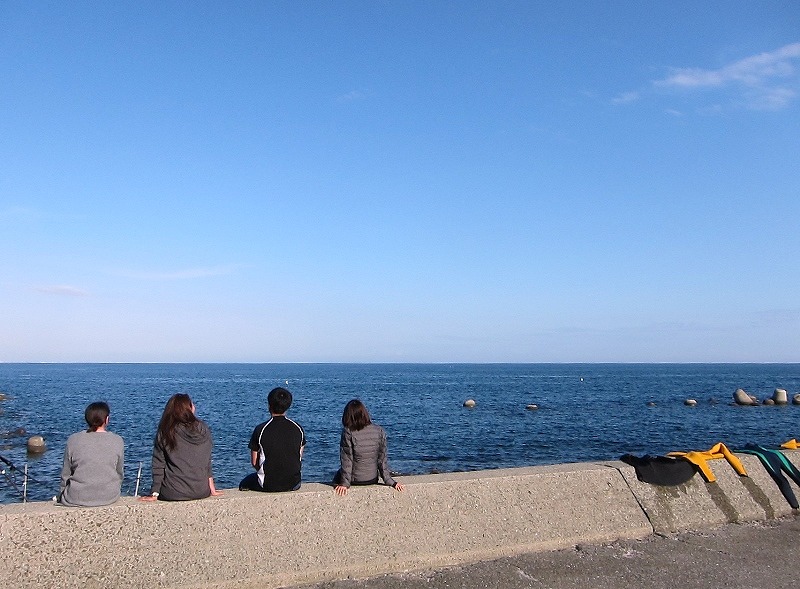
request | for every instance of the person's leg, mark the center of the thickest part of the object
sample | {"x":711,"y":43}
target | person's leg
{"x":250,"y":483}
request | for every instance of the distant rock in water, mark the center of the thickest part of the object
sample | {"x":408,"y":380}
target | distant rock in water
{"x":36,"y":445}
{"x":742,"y":398}
{"x":768,"y":402}
{"x":713,"y":401}
{"x":3,"y":397}
{"x":651,"y":403}
{"x":690,"y":402}
{"x":470,"y":403}
{"x":780,"y":396}
{"x":532,"y":407}
{"x":14,"y":433}
{"x":796,"y":399}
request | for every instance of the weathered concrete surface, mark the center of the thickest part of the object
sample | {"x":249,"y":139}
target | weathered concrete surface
{"x":700,"y":505}
{"x":312,"y":534}
{"x":755,"y":555}
{"x":260,"y":540}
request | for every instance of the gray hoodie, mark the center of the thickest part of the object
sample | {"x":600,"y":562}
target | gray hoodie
{"x":182,"y":473}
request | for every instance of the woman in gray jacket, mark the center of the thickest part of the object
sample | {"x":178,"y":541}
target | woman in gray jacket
{"x":362,"y":451}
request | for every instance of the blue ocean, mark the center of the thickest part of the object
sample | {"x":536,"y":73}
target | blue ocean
{"x":585,"y":412}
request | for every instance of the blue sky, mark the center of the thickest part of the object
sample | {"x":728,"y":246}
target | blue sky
{"x":400,"y":181}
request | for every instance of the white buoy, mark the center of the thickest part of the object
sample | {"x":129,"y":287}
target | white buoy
{"x":36,"y":445}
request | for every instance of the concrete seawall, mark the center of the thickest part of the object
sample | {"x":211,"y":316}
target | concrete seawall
{"x":268,"y":540}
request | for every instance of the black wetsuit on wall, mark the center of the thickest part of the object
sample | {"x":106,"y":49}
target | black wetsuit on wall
{"x":775,"y":462}
{"x":660,"y":470}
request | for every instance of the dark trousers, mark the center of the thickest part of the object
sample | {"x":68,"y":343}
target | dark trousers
{"x":250,"y":483}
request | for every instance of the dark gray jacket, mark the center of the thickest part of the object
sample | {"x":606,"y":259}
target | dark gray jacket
{"x":363,"y":456}
{"x":182,"y":473}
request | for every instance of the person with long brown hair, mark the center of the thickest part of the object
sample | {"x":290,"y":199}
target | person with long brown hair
{"x":362,"y":451}
{"x":181,"y":454}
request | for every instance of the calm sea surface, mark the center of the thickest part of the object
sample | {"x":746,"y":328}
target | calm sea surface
{"x":586,"y":412}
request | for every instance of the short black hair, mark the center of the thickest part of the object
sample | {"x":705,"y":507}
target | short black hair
{"x":96,"y":414}
{"x":279,"y":400}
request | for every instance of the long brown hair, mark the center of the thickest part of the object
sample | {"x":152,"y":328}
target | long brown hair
{"x":177,"y":411}
{"x":355,"y":416}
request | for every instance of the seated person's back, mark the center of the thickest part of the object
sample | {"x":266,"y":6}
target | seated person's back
{"x":276,"y":449}
{"x":93,"y":462}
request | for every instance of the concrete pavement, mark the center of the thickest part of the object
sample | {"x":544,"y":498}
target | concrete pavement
{"x":754,"y":555}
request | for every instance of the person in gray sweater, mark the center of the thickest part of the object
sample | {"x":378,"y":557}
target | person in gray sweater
{"x":93,"y":462}
{"x":181,"y":454}
{"x":362,"y":451}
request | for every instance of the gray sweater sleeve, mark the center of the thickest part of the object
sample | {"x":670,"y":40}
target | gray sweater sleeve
{"x":121,"y":464}
{"x":66,"y":470}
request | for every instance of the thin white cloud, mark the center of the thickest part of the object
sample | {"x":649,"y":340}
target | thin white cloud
{"x":766,"y":81}
{"x":761,"y":82}
{"x":626,"y":97}
{"x":187,"y":274}
{"x":17,"y":212}
{"x":770,"y":98}
{"x":62,"y":290}
{"x":755,"y":71}
{"x":781,"y":318}
{"x":353,"y":96}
